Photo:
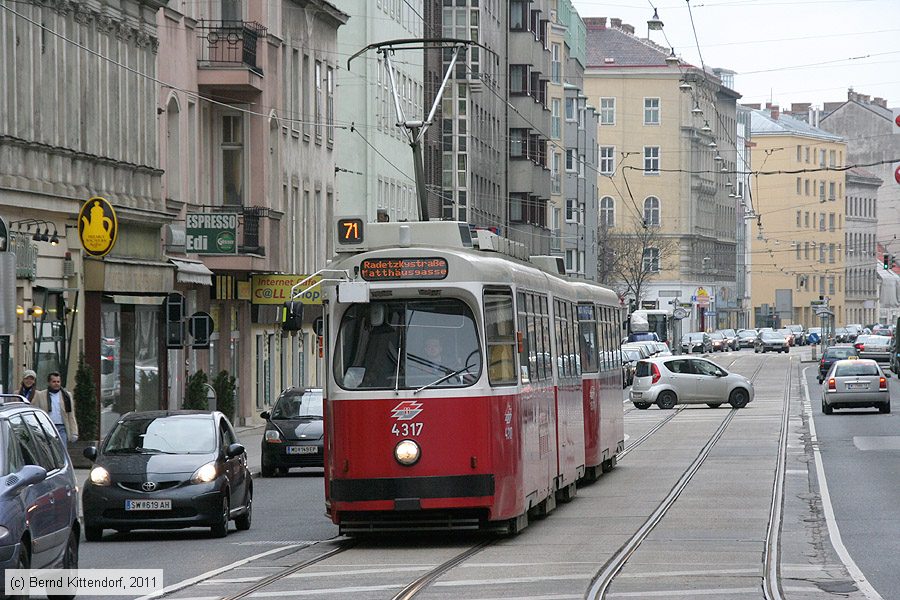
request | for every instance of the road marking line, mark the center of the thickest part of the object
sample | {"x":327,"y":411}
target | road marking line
{"x":345,"y":590}
{"x":861,"y":582}
{"x":361,"y":572}
{"x":188,"y":582}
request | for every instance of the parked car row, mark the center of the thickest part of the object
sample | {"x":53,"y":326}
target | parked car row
{"x":632,"y":352}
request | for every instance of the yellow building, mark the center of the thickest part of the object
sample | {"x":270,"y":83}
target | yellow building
{"x":667,"y":159}
{"x":797,"y":250}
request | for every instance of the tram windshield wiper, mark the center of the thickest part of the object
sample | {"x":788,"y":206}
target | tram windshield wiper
{"x":443,"y":378}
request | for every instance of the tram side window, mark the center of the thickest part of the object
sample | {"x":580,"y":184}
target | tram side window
{"x":500,"y":332}
{"x":534,"y":342}
{"x":574,"y":340}
{"x":587,"y":325}
{"x":546,"y":332}
{"x":615,"y":317}
{"x":608,"y":348}
{"x":525,"y":351}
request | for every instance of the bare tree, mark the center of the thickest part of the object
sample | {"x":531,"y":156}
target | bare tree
{"x":629,"y":259}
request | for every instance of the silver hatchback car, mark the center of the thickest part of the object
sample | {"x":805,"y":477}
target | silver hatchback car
{"x":670,"y":380}
{"x":854,"y":384}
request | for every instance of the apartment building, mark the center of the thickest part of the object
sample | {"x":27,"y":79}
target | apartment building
{"x":74,"y":126}
{"x":860,"y":256}
{"x":247,"y":128}
{"x":668,"y":161}
{"x":798,"y":246}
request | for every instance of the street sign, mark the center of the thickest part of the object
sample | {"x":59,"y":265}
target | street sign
{"x":680,"y":313}
{"x":211,"y":233}
{"x":710,"y":313}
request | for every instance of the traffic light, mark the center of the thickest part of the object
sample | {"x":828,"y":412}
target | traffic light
{"x":175,"y":309}
{"x":292,"y":316}
{"x":885,"y":262}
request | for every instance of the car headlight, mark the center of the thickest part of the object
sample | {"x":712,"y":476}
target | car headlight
{"x":407,"y":452}
{"x":206,"y":473}
{"x":4,"y":533}
{"x":100,"y":476}
{"x":273,"y":436}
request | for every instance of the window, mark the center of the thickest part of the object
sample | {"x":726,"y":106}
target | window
{"x":806,"y":153}
{"x":570,"y":109}
{"x":571,"y":160}
{"x":500,"y":334}
{"x":651,"y":160}
{"x":821,"y":221}
{"x":821,"y":191}
{"x":518,"y":15}
{"x":798,"y":218}
{"x":651,"y":260}
{"x":607,"y":211}
{"x":555,"y":164}
{"x":806,"y":219}
{"x":831,"y":222}
{"x":555,"y":65}
{"x":329,"y":104}
{"x":607,"y":160}
{"x":32,"y":441}
{"x":799,"y":186}
{"x":572,"y":212}
{"x":799,"y":154}
{"x":831,"y":188}
{"x":232,"y":159}
{"x":518,"y":79}
{"x":555,"y":123}
{"x":607,"y":111}
{"x":831,"y":253}
{"x":518,"y":143}
{"x":305,"y":89}
{"x":832,"y":158}
{"x":651,"y":211}
{"x":822,"y":157}
{"x":319,"y":100}
{"x":651,"y":111}
{"x":806,"y":186}
{"x":588,"y":339}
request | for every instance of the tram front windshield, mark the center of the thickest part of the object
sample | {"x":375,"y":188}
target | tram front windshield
{"x":407,"y":344}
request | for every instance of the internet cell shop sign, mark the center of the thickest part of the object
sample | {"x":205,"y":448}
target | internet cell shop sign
{"x":211,"y":233}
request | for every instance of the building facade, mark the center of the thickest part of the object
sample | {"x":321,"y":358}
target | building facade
{"x":374,"y":159}
{"x":73,"y":126}
{"x":798,"y":252}
{"x":249,"y":131}
{"x":667,"y":160}
{"x":861,"y":210}
{"x":744,"y":216}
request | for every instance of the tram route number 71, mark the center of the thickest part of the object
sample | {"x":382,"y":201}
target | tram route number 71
{"x":350,"y":231}
{"x":406,"y":429}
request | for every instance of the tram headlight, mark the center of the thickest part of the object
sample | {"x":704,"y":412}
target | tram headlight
{"x":407,"y":452}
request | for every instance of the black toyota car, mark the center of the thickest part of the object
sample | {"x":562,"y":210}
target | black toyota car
{"x":168,"y":470}
{"x":294,"y":432}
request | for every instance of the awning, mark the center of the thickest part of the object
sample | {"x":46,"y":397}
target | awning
{"x":191,"y":271}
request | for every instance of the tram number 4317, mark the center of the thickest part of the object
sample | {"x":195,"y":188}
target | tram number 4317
{"x":406,"y":429}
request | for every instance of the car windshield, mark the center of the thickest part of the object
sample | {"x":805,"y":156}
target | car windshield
{"x":716,"y":336}
{"x":728,"y":333}
{"x":172,"y":434}
{"x":840,"y":352}
{"x":299,"y":404}
{"x":407,"y":344}
{"x":878,"y":340}
{"x":693,"y":337}
{"x":855,"y":369}
{"x":771,"y":335}
{"x":632,"y":354}
{"x":747,"y":334}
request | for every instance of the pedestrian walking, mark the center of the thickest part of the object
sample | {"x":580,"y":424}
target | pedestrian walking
{"x":28,"y":389}
{"x":58,"y":403}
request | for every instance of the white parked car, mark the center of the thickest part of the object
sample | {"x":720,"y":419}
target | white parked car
{"x":667,"y":381}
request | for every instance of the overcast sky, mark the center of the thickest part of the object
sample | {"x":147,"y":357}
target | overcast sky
{"x":829,"y":45}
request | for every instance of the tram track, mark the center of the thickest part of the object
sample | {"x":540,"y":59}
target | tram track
{"x":771,"y":585}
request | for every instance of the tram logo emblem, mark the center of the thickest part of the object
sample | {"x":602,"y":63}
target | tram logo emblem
{"x":406,"y":410}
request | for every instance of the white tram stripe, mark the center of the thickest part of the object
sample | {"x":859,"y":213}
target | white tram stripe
{"x":861,"y":582}
{"x":192,"y":580}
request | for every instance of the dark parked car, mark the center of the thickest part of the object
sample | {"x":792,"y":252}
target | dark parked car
{"x":39,"y":525}
{"x":746,"y":338}
{"x":833,"y":354}
{"x":771,"y":341}
{"x":294,"y":432}
{"x":696,"y":342}
{"x":168,"y":470}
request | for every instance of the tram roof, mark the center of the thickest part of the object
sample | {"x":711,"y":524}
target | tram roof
{"x":482,"y":262}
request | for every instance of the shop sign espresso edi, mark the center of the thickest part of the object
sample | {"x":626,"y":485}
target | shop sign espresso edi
{"x":98,"y":227}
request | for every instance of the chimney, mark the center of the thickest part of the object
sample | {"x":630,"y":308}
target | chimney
{"x":864,"y":98}
{"x":851,"y":95}
{"x":595,"y":23}
{"x":628,"y":28}
{"x":773,"y":110}
{"x":880,"y":102}
{"x":752,"y":106}
{"x":800,"y":107}
{"x":615,"y":22}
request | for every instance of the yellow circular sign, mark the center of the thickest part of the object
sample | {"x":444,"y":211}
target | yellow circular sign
{"x":98,"y":227}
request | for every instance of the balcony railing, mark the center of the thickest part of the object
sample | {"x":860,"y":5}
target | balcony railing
{"x":225,"y":43}
{"x":249,"y":225}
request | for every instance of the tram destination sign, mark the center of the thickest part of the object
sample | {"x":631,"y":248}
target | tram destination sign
{"x":403,"y":269}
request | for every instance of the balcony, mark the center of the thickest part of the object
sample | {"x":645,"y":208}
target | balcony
{"x":229,"y":55}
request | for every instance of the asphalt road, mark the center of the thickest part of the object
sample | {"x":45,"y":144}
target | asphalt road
{"x":861,"y":456}
{"x":287,"y":511}
{"x":559,"y":555}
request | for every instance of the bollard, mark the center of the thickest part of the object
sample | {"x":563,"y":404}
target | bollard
{"x":814,"y":347}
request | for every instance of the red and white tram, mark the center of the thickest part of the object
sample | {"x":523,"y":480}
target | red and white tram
{"x":465,"y":388}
